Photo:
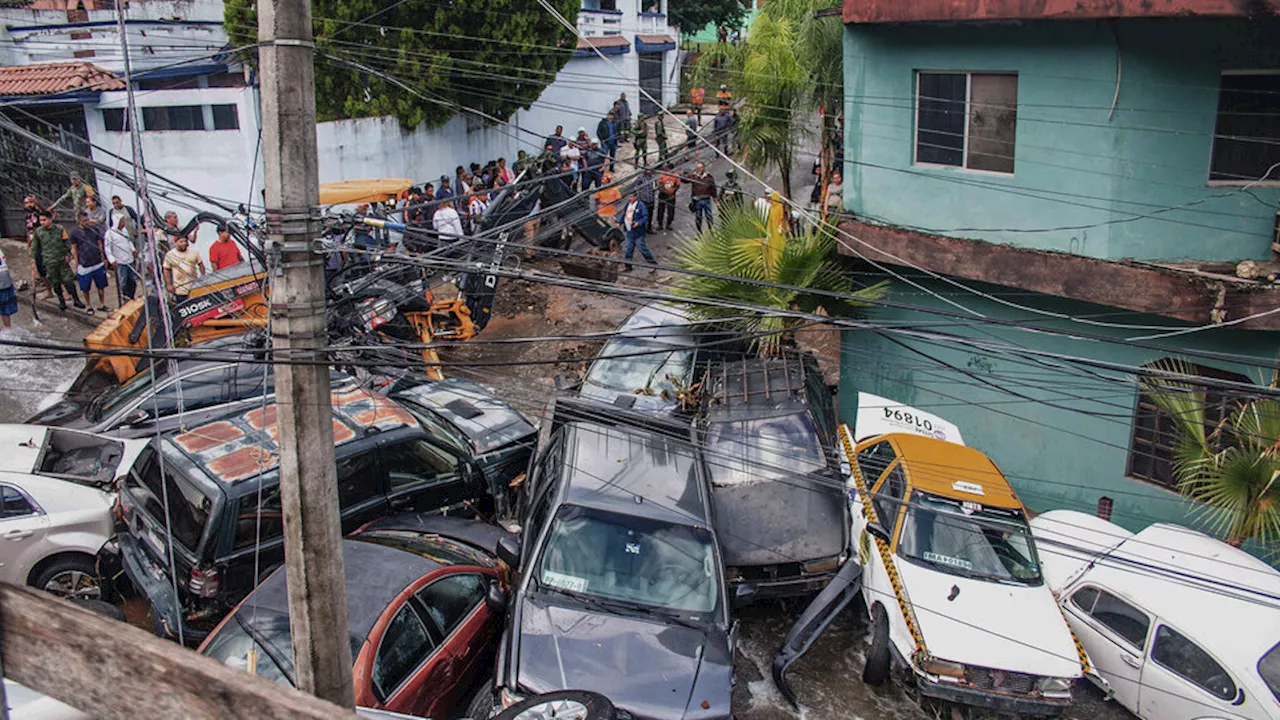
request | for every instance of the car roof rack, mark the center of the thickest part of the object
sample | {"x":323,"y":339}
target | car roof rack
{"x":756,"y":380}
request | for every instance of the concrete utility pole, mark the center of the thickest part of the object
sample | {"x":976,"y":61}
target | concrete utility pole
{"x":308,"y":481}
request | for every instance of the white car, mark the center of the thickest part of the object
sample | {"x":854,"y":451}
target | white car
{"x":56,"y":493}
{"x":948,"y":571}
{"x":1182,"y":626}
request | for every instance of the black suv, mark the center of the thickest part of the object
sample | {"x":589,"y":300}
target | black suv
{"x":768,"y":430}
{"x":387,"y":461}
{"x":620,"y":587}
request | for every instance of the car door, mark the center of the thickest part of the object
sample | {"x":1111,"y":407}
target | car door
{"x":1181,"y":680}
{"x":24,"y":530}
{"x":403,"y":646}
{"x":421,"y":475}
{"x":454,"y":604}
{"x":1114,"y":632}
{"x":362,"y":486}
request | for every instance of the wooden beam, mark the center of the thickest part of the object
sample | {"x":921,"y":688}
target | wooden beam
{"x":112,"y":670}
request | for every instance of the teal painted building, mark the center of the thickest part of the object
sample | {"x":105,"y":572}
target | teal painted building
{"x":1027,"y":161}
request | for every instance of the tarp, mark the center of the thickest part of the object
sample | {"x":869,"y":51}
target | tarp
{"x":363,"y":191}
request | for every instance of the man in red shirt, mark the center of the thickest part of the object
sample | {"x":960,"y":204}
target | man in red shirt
{"x":224,"y":252}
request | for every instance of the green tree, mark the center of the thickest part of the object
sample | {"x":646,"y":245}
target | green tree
{"x":495,"y":56}
{"x":693,"y":15}
{"x":1231,"y":468}
{"x":742,"y":247}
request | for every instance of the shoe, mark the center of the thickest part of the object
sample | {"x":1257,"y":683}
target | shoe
{"x":79,"y":305}
{"x":104,"y":309}
{"x":626,"y":269}
{"x":88,"y":310}
{"x":62,"y":307}
{"x":653,"y":269}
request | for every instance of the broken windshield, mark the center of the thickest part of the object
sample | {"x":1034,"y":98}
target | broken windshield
{"x":629,"y":364}
{"x":966,"y":538}
{"x":630,"y":560}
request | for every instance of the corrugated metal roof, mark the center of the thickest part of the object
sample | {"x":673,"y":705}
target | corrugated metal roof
{"x":602,"y":42}
{"x":55,"y":78}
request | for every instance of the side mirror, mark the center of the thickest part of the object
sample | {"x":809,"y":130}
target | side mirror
{"x":878,"y":530}
{"x":137,"y":417}
{"x":496,"y":599}
{"x":509,"y":552}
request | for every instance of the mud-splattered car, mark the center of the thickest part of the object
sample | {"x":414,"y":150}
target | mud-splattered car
{"x":224,"y":517}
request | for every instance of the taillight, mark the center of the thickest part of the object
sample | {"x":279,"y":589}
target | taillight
{"x":204,"y":583}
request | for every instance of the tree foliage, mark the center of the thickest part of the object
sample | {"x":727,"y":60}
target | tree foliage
{"x":693,"y":15}
{"x":1231,"y":468}
{"x":742,"y":245}
{"x":496,"y":56}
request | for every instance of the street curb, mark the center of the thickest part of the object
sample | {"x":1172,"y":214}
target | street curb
{"x":51,"y":308}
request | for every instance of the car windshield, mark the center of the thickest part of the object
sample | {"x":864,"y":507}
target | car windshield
{"x":622,"y":367}
{"x":631,"y":561}
{"x":741,"y":452}
{"x":966,"y":538}
{"x":1269,"y":669}
{"x":259,"y":644}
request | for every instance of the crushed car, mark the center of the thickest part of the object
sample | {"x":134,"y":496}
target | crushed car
{"x":224,"y":517}
{"x":1181,"y":626}
{"x":767,"y":426}
{"x":950,"y":577}
{"x":619,"y":584}
{"x":648,"y":364}
{"x":421,"y":615}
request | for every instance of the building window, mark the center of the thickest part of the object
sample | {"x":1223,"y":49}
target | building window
{"x":967,"y":120}
{"x":175,"y":117}
{"x":115,"y":120}
{"x":1154,"y":435}
{"x":1246,"y":138}
{"x":226,"y":117}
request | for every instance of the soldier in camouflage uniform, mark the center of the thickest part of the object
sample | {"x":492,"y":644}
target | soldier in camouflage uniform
{"x":76,"y":194}
{"x":660,"y":134}
{"x":50,"y":243}
{"x":640,"y":138}
{"x":730,"y":191}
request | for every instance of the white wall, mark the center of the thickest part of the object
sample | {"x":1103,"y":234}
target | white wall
{"x":217,"y":163}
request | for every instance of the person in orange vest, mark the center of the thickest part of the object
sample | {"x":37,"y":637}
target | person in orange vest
{"x":696,"y":96}
{"x":723,"y":96}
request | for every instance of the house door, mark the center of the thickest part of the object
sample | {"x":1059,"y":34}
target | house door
{"x":650,"y":81}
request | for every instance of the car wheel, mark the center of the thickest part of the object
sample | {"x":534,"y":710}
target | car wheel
{"x":562,"y":705}
{"x":876,"y":671}
{"x":482,"y":703}
{"x":74,"y":577}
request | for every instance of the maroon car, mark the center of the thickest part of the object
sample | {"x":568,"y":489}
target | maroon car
{"x":419,"y":615}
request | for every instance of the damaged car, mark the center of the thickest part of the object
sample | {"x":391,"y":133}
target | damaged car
{"x":950,"y":577}
{"x":619,"y":585}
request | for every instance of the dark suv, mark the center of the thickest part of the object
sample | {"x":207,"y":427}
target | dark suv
{"x":620,"y":587}
{"x":387,"y":461}
{"x":769,"y":432}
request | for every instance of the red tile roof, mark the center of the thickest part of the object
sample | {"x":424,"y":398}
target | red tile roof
{"x":655,"y":39}
{"x":55,"y":78}
{"x":602,"y":42}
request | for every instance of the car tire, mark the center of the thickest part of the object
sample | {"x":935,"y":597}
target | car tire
{"x":482,"y":702}
{"x":876,"y":671}
{"x":581,"y":705}
{"x":71,"y":577}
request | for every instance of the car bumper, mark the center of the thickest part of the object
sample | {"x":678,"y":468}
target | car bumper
{"x":773,"y":589}
{"x":153,"y":582}
{"x":1017,"y":704}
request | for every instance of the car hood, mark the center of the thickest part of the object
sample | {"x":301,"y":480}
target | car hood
{"x":990,"y":624}
{"x":645,"y":666}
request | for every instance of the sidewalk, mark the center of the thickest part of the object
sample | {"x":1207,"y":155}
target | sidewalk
{"x":22,"y":269}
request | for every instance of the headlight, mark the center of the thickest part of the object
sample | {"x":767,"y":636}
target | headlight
{"x":508,"y":698}
{"x":943,"y":668}
{"x":825,"y":565}
{"x":1056,"y":686}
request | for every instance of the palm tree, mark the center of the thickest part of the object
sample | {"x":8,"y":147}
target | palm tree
{"x":742,"y":247}
{"x":1232,"y":467}
{"x":775,"y":84}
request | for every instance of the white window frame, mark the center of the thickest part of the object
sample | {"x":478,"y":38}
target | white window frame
{"x":968,"y":95}
{"x":1213,"y":136}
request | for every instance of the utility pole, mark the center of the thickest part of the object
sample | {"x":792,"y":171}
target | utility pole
{"x":308,"y":480}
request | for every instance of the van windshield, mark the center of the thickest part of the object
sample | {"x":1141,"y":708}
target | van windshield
{"x":969,"y":539}
{"x":189,"y":508}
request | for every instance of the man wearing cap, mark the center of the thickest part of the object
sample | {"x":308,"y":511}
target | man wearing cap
{"x":640,"y":138}
{"x":224,"y":252}
{"x":76,"y":193}
{"x":731,"y":191}
{"x":89,"y":259}
{"x":51,"y":244}
{"x":634,"y":220}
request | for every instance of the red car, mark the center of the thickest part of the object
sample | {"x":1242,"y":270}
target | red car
{"x":419,"y":615}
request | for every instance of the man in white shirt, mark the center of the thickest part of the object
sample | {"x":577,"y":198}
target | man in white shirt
{"x":120,"y":254}
{"x":447,"y":222}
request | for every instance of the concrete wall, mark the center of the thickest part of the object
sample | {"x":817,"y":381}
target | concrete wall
{"x":1060,"y":435}
{"x":217,"y":163}
{"x":152,"y":45}
{"x":1075,"y":165}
